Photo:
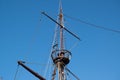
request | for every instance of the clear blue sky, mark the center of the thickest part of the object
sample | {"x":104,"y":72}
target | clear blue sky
{"x":27,"y":35}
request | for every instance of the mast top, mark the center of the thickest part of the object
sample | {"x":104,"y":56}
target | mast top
{"x":60,"y":6}
{"x":60,"y":13}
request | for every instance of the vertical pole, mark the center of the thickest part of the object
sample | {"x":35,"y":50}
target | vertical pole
{"x":60,"y":65}
{"x":59,"y":71}
{"x":61,"y":28}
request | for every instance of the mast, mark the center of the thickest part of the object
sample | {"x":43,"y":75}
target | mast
{"x":60,"y":56}
{"x":60,"y":64}
{"x":61,"y":28}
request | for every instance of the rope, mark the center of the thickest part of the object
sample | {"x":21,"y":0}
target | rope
{"x":93,"y":25}
{"x":54,"y":73}
{"x":72,"y":74}
{"x":74,"y":45}
{"x":47,"y":66}
{"x":53,"y":43}
{"x":16,"y":72}
{"x":69,"y":78}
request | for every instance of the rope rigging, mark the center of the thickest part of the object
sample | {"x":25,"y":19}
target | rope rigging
{"x":72,"y":73}
{"x":91,"y":24}
{"x":16,"y":72}
{"x":54,"y":47}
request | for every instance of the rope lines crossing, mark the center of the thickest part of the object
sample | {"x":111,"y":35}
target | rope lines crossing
{"x":54,"y":45}
{"x":16,"y":72}
{"x":91,"y":24}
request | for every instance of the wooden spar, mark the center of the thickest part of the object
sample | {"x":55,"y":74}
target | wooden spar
{"x":30,"y":70}
{"x":61,"y":25}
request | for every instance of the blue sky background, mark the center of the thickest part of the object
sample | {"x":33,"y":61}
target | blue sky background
{"x":27,"y":35}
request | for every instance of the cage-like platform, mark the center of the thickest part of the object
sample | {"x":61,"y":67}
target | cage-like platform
{"x":61,"y":56}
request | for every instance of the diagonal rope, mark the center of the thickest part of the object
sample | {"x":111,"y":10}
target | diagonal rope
{"x":54,"y":73}
{"x":72,"y":73}
{"x":74,"y":45}
{"x":16,"y":72}
{"x":92,"y":25}
{"x":67,"y":73}
{"x":53,"y":43}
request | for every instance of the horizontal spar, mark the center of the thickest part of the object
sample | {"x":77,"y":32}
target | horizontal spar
{"x":61,"y":25}
{"x":30,"y":70}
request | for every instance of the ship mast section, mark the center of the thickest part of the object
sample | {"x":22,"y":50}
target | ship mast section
{"x":61,"y":28}
{"x":60,"y":56}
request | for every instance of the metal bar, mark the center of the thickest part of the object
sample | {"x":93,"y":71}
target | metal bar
{"x":61,"y":25}
{"x":30,"y":70}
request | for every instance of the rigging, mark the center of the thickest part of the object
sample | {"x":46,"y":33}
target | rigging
{"x":91,"y":24}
